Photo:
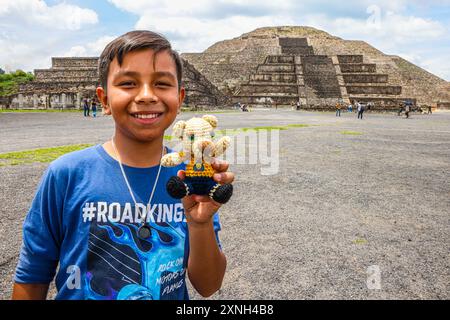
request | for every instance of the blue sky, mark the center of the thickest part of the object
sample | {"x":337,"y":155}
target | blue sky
{"x":32,"y":31}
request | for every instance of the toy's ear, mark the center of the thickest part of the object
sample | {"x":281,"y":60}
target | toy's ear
{"x":178,"y":129}
{"x":212,"y":120}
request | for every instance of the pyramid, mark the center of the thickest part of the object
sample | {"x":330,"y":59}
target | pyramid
{"x":278,"y":66}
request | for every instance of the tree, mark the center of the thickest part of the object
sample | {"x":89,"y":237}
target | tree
{"x":9,"y":82}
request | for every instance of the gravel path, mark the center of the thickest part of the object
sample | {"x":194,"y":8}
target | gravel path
{"x":338,"y":205}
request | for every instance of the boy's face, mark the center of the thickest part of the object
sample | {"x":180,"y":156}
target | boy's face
{"x":142,"y":94}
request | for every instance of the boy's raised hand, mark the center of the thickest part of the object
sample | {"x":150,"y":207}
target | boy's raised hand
{"x":200,"y":209}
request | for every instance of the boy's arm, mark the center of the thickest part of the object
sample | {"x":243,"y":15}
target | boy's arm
{"x":207,"y":263}
{"x":42,"y":235}
{"x":23,"y":291}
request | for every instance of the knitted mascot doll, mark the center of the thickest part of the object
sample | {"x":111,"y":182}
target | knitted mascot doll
{"x":196,"y":135}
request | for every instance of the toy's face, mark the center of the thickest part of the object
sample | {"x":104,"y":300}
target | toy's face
{"x":195,"y":133}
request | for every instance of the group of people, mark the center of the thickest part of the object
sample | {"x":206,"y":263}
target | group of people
{"x":89,"y":104}
{"x":360,"y":108}
{"x":242,"y":107}
{"x":406,"y":107}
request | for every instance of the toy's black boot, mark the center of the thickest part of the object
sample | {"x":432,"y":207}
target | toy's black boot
{"x":221,"y":193}
{"x":176,"y":188}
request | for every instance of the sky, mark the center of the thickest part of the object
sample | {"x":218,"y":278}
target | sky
{"x":33,"y":31}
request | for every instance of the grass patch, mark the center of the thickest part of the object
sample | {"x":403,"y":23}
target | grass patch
{"x":264,"y":128}
{"x":44,"y":155}
{"x":351,"y":133}
{"x":360,"y":241}
{"x":298,"y":125}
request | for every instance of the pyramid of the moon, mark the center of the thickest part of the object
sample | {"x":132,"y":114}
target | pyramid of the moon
{"x":281,"y":65}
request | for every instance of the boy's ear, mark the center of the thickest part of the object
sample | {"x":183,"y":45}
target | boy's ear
{"x":178,"y":129}
{"x":103,"y":98}
{"x":181,"y":96}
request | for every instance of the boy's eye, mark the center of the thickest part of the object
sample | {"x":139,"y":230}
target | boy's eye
{"x":127,"y":84}
{"x":162,"y":84}
{"x":192,"y":137}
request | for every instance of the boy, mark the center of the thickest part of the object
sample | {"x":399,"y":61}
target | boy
{"x":92,"y":205}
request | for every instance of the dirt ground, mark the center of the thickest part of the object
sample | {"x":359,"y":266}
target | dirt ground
{"x":353,"y":209}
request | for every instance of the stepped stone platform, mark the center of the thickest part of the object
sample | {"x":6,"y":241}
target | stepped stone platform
{"x":278,"y":66}
{"x":69,"y":80}
{"x":300,"y":75}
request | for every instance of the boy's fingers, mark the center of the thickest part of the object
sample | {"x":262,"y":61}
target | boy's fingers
{"x":189,"y":203}
{"x":181,"y":174}
{"x":199,"y":198}
{"x":224,"y":177}
{"x":219,"y":165}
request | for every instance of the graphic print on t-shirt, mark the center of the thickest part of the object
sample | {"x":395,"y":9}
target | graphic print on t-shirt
{"x":120,"y":265}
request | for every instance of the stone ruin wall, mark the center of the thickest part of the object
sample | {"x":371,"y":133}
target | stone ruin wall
{"x":202,"y":93}
{"x":69,"y":80}
{"x":63,"y":86}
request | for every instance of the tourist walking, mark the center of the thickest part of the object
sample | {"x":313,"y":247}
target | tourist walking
{"x":350,"y":108}
{"x":360,"y":110}
{"x":400,"y":110}
{"x":298,"y":105}
{"x":429,"y":110}
{"x":407,"y":110}
{"x":338,"y":109}
{"x":94,"y":108}
{"x":86,"y":107}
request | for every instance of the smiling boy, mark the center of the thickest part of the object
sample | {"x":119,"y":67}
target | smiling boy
{"x":91,"y":205}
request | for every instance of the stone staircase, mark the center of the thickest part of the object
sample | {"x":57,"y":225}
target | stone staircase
{"x":317,"y":81}
{"x":273,"y":84}
{"x":364,"y":84}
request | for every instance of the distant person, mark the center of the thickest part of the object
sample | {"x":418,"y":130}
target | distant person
{"x":298,"y":106}
{"x":360,"y":110}
{"x":400,"y":110}
{"x":86,"y":107}
{"x":350,"y":108}
{"x":407,"y":110}
{"x":429,"y":110}
{"x":94,"y":108}
{"x":338,"y":109}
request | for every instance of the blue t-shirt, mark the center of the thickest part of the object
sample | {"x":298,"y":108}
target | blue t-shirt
{"x":84,"y":218}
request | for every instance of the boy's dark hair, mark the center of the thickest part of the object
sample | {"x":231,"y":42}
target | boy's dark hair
{"x":132,"y":41}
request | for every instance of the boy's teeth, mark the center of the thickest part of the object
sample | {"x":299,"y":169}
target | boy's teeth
{"x":146,"y":116}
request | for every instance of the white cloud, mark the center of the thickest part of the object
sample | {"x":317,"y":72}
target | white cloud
{"x":91,"y":49}
{"x":37,"y":13}
{"x":33,"y":31}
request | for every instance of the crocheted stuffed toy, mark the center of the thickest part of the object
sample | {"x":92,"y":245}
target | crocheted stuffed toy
{"x":196,"y":135}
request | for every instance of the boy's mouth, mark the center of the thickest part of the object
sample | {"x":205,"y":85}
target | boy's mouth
{"x":146,"y":115}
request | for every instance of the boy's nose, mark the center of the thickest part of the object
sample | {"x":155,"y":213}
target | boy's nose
{"x":146,"y":95}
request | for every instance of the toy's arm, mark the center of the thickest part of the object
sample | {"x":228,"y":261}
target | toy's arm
{"x":221,"y":146}
{"x":173,"y":159}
